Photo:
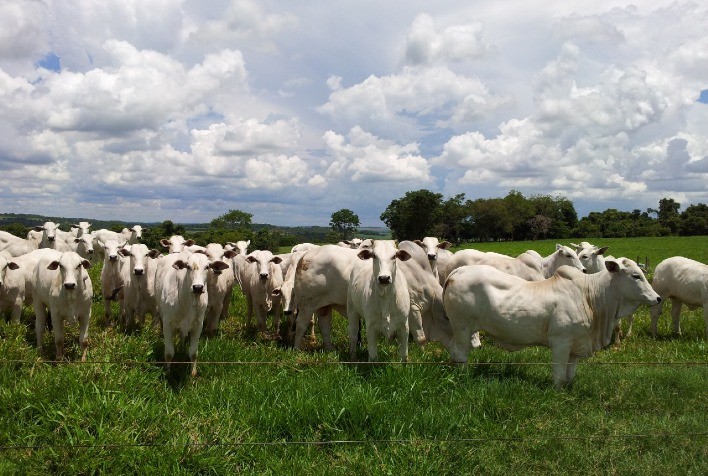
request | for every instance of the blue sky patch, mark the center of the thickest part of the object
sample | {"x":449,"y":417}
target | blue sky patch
{"x":51,"y":62}
{"x":703,"y":97}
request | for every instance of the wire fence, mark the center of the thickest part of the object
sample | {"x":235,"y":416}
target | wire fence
{"x":320,"y":443}
{"x":335,"y":363}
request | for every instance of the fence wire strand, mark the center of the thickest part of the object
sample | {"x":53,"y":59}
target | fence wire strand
{"x":412,"y":441}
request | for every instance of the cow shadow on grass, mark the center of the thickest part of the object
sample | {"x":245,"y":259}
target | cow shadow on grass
{"x":180,"y":371}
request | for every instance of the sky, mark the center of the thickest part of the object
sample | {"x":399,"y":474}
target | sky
{"x":152,"y":110}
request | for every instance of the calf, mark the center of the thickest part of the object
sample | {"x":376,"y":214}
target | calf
{"x":432,"y":246}
{"x":379,"y":294}
{"x":138,"y":277}
{"x":220,"y":284}
{"x":182,"y":298}
{"x":684,"y":281}
{"x":264,"y":278}
{"x":62,"y":285}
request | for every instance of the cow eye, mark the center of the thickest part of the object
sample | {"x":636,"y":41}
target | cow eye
{"x":637,"y":276}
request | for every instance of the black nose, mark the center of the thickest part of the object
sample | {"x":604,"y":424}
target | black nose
{"x":264,"y":276}
{"x":432,"y":256}
{"x":138,"y":272}
{"x":198,"y":288}
{"x":383,"y":279}
{"x":288,"y":313}
{"x":113,"y":257}
{"x":585,"y":271}
{"x":658,"y":300}
{"x":69,"y":285}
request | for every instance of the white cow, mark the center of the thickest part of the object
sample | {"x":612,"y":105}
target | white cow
{"x":27,"y":264}
{"x":353,"y":244}
{"x":41,"y":236}
{"x":220,"y":284}
{"x":6,"y":238}
{"x":321,"y":284}
{"x":684,"y":281}
{"x":62,"y":285}
{"x":265,"y":278}
{"x":137,"y":273}
{"x":379,"y":294}
{"x":592,"y":257}
{"x":240,"y":247}
{"x":133,"y":234}
{"x":302,"y":247}
{"x":182,"y":298}
{"x":12,"y":289}
{"x":111,"y":278}
{"x":176,"y":243}
{"x":432,"y":246}
{"x":80,"y":228}
{"x":529,"y":265}
{"x":572,"y":313}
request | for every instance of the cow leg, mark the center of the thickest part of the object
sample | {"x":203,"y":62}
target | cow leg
{"x":676,"y":315}
{"x":415,"y":325}
{"x":461,"y":343}
{"x":249,"y":310}
{"x":324,"y":320}
{"x":212,"y":320}
{"x":107,"y":311}
{"x":224,"y":313}
{"x":16,"y":311}
{"x":630,"y":321}
{"x":571,"y":368}
{"x":58,"y":329}
{"x":372,"y":341}
{"x":261,"y":315}
{"x":402,"y":338}
{"x":655,"y":312}
{"x":561,"y":358}
{"x":169,"y":339}
{"x":301,"y":322}
{"x":353,"y":332}
{"x":83,"y":334}
{"x":40,"y":322}
{"x":705,"y":316}
{"x":194,"y":335}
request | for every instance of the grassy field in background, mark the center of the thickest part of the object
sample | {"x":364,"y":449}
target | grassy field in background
{"x":641,"y":408}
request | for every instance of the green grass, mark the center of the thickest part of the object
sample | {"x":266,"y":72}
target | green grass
{"x":626,"y":413}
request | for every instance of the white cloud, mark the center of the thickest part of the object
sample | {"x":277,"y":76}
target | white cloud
{"x":459,"y":42}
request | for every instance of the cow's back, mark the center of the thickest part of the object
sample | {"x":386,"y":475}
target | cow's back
{"x":681,"y":278}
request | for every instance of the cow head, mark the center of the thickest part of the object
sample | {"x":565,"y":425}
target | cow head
{"x":4,"y":267}
{"x":384,"y":255}
{"x":566,"y":256}
{"x":71,"y":268}
{"x":263,"y":260}
{"x":176,"y":243}
{"x":431,"y":245}
{"x":593,"y":258}
{"x":138,"y":255}
{"x":196,"y":266}
{"x":629,"y":280}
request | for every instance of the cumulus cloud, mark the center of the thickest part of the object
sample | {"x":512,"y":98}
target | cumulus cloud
{"x":459,"y":42}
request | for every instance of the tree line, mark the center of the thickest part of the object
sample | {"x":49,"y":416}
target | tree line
{"x":516,"y":218}
{"x":421,"y":213}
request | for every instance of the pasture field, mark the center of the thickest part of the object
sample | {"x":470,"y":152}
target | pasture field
{"x":258,"y":407}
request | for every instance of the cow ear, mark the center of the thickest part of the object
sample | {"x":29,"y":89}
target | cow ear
{"x":602,"y":250}
{"x":189,"y":243}
{"x":153,"y":253}
{"x":612,"y":266}
{"x":276,"y":259}
{"x":164,"y":242}
{"x":444,"y":245}
{"x":403,"y":255}
{"x":219,"y":265}
{"x":179,"y":264}
{"x":38,"y":228}
{"x":124,"y":252}
{"x":251,"y":259}
{"x":77,"y":240}
{"x":419,"y":243}
{"x":365,"y":254}
{"x":228,"y":254}
{"x":276,"y":292}
{"x":559,"y":247}
{"x":86,"y":264}
{"x":199,"y":251}
{"x":12,"y":265}
{"x":53,"y":265}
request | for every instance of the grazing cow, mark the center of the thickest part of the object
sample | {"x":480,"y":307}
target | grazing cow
{"x":176,"y":243}
{"x":529,"y":265}
{"x":111,"y":278}
{"x":182,"y":298}
{"x":137,"y":273}
{"x":432,"y":246}
{"x":684,"y":281}
{"x":379,"y":294}
{"x":321,"y":284}
{"x":62,"y":285}
{"x":571,"y":312}
{"x":264,"y":277}
{"x":12,"y":289}
{"x":220,"y":284}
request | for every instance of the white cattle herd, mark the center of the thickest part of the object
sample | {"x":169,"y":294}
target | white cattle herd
{"x":570,"y":301}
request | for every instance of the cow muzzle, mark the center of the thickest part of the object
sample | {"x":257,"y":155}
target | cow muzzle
{"x":264,"y":276}
{"x":138,"y":272}
{"x":70,"y":286}
{"x":432,"y":257}
{"x":385,"y":279}
{"x":197,"y":288}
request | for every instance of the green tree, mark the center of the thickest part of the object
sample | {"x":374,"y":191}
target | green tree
{"x":233,"y":220}
{"x":413,"y":216}
{"x":669,"y":216}
{"x":694,"y":220}
{"x":167,"y":228}
{"x":344,"y":223}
